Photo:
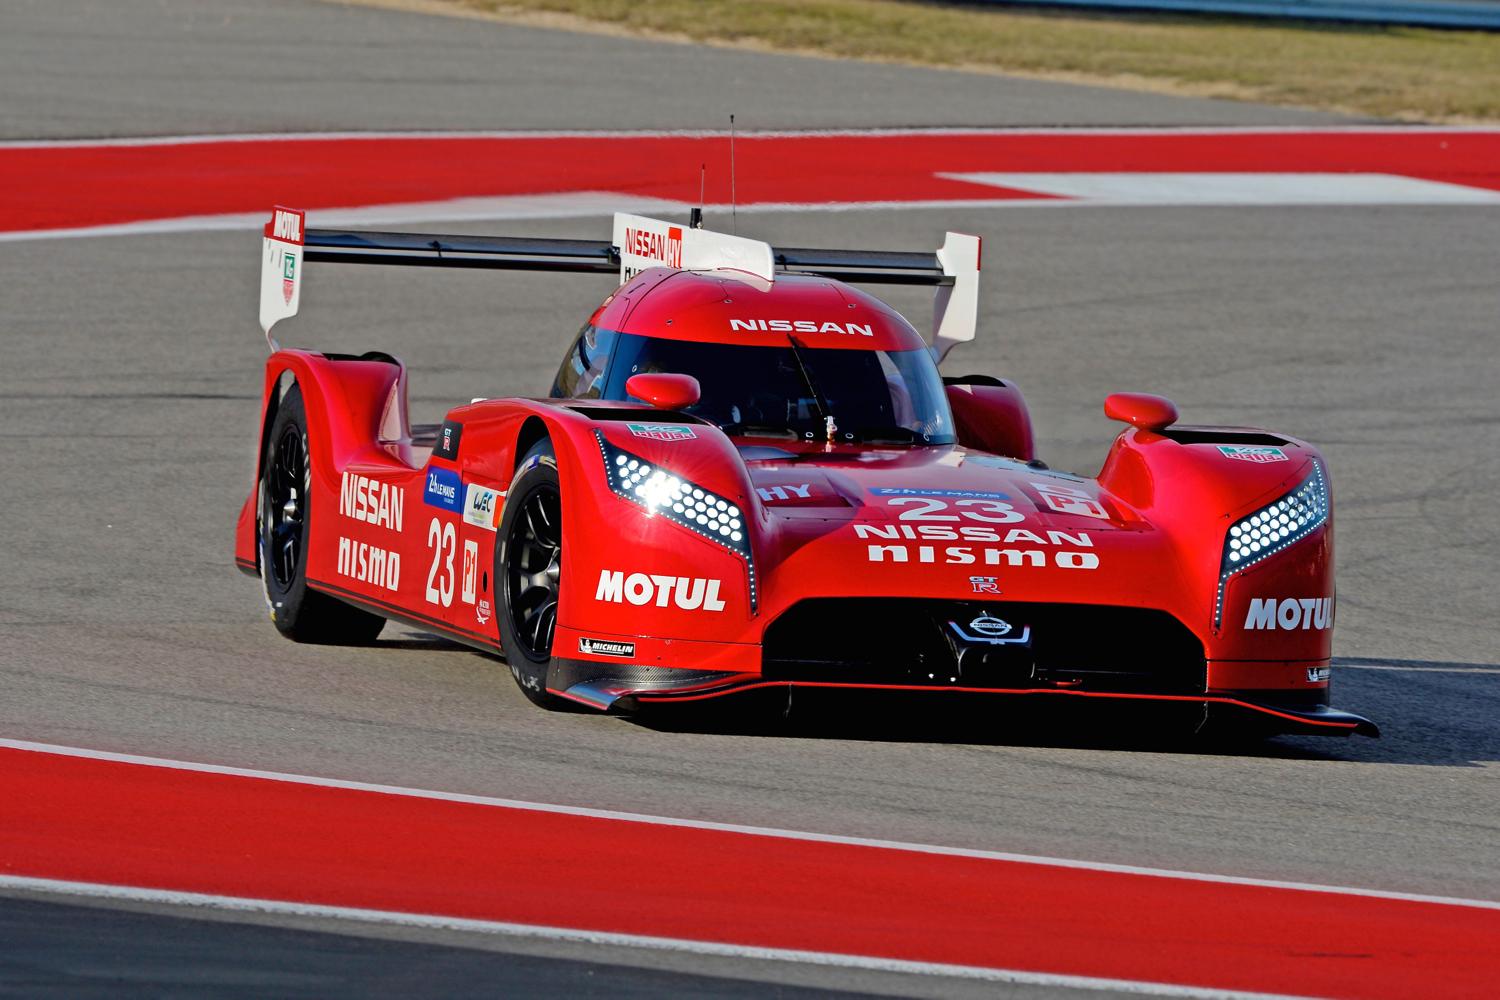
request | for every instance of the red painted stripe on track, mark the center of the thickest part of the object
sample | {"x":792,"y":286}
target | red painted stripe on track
{"x":73,"y":186}
{"x":86,"y":820}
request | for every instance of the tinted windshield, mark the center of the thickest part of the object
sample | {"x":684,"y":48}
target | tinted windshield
{"x":776,"y":390}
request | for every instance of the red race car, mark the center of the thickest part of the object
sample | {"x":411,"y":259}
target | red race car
{"x":749,"y":474}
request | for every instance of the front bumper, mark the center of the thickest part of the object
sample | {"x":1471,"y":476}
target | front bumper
{"x":625,"y":689}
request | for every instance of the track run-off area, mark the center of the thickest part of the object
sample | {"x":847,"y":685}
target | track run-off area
{"x":126,"y":827}
{"x":191,"y":805}
{"x":59,"y":188}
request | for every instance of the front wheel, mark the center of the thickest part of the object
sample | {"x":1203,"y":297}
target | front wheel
{"x":528,"y":568}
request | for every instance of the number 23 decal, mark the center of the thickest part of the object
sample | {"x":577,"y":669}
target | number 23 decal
{"x":993,"y":511}
{"x":440,"y":538}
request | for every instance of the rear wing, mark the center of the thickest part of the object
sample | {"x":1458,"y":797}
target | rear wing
{"x":638,"y":243}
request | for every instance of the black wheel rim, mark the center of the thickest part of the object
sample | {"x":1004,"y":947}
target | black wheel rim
{"x":286,"y":507}
{"x":533,"y":557}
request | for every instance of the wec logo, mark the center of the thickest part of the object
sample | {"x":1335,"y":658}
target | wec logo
{"x":480,"y":506}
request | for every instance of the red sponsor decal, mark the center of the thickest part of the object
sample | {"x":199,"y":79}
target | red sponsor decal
{"x":648,"y":243}
{"x":286,"y":224}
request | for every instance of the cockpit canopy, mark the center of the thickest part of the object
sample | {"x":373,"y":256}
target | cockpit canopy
{"x":779,"y":362}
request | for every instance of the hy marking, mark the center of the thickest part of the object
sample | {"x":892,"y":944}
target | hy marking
{"x":756,"y":831}
{"x":606,"y":938}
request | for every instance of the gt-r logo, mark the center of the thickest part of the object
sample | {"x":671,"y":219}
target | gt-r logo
{"x":666,"y":248}
{"x":1289,"y":614}
{"x":688,"y":593}
{"x":802,"y":326}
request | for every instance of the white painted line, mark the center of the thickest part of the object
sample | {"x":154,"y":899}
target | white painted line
{"x":606,"y":938}
{"x":541,"y":206}
{"x":183,"y":140}
{"x":1238,"y":188}
{"x":1341,"y":665}
{"x":577,"y":204}
{"x":757,"y":831}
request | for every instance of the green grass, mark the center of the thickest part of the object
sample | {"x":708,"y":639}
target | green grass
{"x":1404,"y":73}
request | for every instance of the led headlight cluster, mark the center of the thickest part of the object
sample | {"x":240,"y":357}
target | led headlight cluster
{"x":663,"y":492}
{"x":1273,"y":527}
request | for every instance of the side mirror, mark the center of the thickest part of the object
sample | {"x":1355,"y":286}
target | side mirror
{"x":664,"y":390}
{"x":1141,"y":409}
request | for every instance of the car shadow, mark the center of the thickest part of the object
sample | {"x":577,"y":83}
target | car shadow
{"x":1430,"y":714}
{"x":413,"y":639}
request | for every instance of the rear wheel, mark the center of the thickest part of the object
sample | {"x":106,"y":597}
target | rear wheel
{"x":528,"y":565}
{"x":299,"y":613}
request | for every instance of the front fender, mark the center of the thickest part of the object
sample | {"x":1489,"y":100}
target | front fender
{"x":629,"y":572}
{"x":1192,"y":486}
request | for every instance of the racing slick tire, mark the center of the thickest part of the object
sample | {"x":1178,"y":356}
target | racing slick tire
{"x":299,"y":613}
{"x":528,"y":559}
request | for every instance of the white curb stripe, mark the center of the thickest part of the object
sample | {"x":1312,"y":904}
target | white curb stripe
{"x":1230,"y":188}
{"x":607,"y":938}
{"x":209,"y":137}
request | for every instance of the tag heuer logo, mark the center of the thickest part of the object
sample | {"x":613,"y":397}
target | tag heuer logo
{"x":1259,"y":455}
{"x":662,"y":432}
{"x":288,"y":277}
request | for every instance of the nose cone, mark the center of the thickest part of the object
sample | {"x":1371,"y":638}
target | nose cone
{"x":938,"y":523}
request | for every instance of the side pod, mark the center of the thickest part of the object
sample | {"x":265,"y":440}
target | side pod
{"x":991,"y":416}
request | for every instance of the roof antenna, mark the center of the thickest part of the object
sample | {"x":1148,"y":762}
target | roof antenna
{"x":733,"y":220}
{"x":695,"y":217}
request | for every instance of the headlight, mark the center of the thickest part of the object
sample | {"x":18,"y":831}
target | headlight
{"x":661,"y":492}
{"x":1272,"y":528}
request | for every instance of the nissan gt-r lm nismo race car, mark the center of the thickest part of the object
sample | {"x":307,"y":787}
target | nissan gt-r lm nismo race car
{"x":744,"y":457}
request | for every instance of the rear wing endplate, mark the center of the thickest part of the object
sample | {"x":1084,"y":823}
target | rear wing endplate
{"x":638,"y":243}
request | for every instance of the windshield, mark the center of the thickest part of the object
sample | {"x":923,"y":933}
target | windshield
{"x":787,"y":390}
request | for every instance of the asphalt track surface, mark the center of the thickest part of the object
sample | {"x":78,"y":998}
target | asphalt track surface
{"x":129,"y":369}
